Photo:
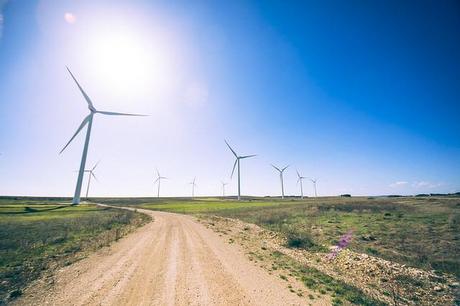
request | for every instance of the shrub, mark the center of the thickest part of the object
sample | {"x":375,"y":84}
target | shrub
{"x":301,"y":240}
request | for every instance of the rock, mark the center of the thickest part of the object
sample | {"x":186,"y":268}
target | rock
{"x":454,"y":285}
{"x":437,"y":288}
{"x":368,"y":238}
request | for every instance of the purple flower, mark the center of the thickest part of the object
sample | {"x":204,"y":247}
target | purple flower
{"x":344,"y":241}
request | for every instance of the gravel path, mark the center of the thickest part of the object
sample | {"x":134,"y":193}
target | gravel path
{"x":173,"y":260}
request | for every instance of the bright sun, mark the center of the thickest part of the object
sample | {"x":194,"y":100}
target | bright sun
{"x":127,"y":63}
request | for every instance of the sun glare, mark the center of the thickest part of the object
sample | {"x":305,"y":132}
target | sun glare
{"x":130,"y":63}
{"x":121,"y":61}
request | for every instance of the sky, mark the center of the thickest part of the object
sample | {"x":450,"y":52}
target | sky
{"x":362,"y":95}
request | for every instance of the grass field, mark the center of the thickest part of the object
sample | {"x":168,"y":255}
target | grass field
{"x":40,"y":234}
{"x":422,"y":232}
{"x":419,"y":232}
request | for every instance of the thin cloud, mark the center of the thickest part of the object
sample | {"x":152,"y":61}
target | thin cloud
{"x":398,"y":184}
{"x":425,"y":184}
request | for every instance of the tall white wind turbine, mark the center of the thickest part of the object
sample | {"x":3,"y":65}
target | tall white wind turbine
{"x":314,"y":186}
{"x":300,"y":180}
{"x":88,"y":120}
{"x":237,"y":161}
{"x":223,"y":188}
{"x":158,"y":180}
{"x":193,"y":187}
{"x":91,"y":174}
{"x":281,"y":171}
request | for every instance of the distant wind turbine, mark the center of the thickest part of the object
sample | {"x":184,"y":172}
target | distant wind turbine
{"x":193,"y":187}
{"x":87,"y":121}
{"x":223,"y":188}
{"x":237,"y":161}
{"x":281,"y":171}
{"x":300,"y":180}
{"x":158,"y":180}
{"x":91,"y":174}
{"x":314,"y":186}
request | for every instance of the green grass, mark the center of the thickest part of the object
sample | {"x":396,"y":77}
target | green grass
{"x":37,"y":234}
{"x":422,"y":232}
{"x":188,"y":206}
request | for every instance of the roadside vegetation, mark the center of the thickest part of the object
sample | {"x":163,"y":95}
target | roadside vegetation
{"x":37,"y":235}
{"x":421,"y":232}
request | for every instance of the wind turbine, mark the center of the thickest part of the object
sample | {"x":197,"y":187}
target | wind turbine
{"x":159,"y":178}
{"x":281,"y":171}
{"x":91,"y":174}
{"x":193,"y":187}
{"x":223,"y":188}
{"x":237,"y":161}
{"x":300,"y":180}
{"x":314,"y":186}
{"x":87,"y":121}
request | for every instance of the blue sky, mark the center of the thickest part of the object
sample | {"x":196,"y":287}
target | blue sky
{"x":362,"y":95}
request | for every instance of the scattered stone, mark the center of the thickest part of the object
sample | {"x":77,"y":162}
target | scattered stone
{"x":368,"y":238}
{"x":437,"y":288}
{"x":454,"y":285}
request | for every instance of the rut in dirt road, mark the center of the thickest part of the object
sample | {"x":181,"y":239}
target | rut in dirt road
{"x":170,"y":261}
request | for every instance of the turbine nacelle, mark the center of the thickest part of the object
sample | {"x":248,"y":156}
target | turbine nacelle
{"x":237,"y":157}
{"x":280,"y":170}
{"x":92,"y":110}
{"x":159,"y":177}
{"x":299,"y":177}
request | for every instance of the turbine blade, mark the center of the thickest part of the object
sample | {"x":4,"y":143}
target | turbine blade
{"x":95,"y":165}
{"x":82,"y":125}
{"x":234,"y":166}
{"x":285,"y":168}
{"x":247,"y":156}
{"x":298,"y":174}
{"x":88,"y":100}
{"x":276,"y":168}
{"x":118,"y":114}
{"x":234,"y":153}
{"x":156,"y":180}
{"x":94,"y":176}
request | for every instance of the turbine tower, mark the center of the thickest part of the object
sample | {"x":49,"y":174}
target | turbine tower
{"x":281,"y":171}
{"x":193,"y":187}
{"x":237,"y":161}
{"x":88,"y":120}
{"x":223,"y":188}
{"x":314,"y":186}
{"x":300,"y":180}
{"x":158,"y":180}
{"x":91,"y":174}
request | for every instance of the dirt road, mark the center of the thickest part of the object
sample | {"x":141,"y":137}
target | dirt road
{"x":170,"y":261}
